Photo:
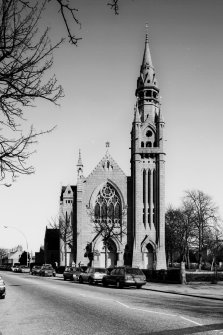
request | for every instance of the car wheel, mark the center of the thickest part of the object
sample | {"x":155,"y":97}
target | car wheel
{"x":138,"y":286}
{"x":81,"y":280}
{"x":64,"y":278}
{"x":104,"y":283}
{"x":90,"y":281}
{"x":118,"y":284}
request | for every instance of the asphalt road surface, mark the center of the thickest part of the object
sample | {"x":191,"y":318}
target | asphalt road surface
{"x":36,"y":306}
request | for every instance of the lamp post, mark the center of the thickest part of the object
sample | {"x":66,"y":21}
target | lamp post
{"x":27,"y":261}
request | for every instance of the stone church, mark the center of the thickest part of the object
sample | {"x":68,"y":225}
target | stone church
{"x":116,"y":219}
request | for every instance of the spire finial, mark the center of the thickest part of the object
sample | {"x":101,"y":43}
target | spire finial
{"x":107,"y":145}
{"x":147,"y":32}
{"x":80,"y":159}
{"x":80,"y":166}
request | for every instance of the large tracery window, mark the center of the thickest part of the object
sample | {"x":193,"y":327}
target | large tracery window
{"x":108,"y":206}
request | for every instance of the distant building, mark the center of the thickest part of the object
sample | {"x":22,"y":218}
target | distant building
{"x":12,"y":255}
{"x":134,"y":205}
{"x":51,"y":246}
{"x":39,"y":256}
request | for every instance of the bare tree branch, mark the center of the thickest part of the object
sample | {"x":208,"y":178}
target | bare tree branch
{"x":114,"y":5}
{"x":14,"y":154}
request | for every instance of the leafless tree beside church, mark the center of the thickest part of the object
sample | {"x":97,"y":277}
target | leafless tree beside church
{"x":26,"y":60}
{"x":64,"y":223}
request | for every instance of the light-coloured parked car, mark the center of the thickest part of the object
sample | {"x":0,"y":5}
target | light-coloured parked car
{"x":2,"y":289}
{"x":15,"y":267}
{"x":24,"y":269}
{"x":92,"y":275}
{"x":78,"y":272}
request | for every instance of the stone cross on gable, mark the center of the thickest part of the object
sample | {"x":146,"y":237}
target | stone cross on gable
{"x":107,"y":144}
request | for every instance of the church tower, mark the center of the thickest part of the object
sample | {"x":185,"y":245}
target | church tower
{"x":147,"y":171}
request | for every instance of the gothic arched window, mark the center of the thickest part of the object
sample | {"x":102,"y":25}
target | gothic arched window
{"x":108,"y":206}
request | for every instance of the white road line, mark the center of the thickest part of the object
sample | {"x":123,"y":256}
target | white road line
{"x":146,"y":310}
{"x":143,"y":310}
{"x":196,"y":323}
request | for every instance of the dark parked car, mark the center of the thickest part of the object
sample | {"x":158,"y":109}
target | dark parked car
{"x":36,"y":270}
{"x":92,"y":275}
{"x":73,"y":273}
{"x":2,"y":289}
{"x":47,"y":271}
{"x":125,"y":276}
{"x":68,"y":273}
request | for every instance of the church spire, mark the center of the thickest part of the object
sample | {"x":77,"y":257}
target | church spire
{"x":147,"y":91}
{"x":80,"y":165}
{"x":147,"y":60}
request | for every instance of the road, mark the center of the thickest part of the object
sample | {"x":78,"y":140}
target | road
{"x":36,"y":305}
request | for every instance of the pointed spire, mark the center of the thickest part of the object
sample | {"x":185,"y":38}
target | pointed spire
{"x":147,"y":60}
{"x":107,"y":146}
{"x":79,"y":165}
{"x":147,"y":71}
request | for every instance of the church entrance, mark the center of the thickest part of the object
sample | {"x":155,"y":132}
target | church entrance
{"x":148,"y":257}
{"x":106,"y":256}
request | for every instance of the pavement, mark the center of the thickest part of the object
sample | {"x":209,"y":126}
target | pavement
{"x":204,"y":290}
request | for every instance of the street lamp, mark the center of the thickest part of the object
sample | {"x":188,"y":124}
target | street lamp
{"x":27,"y":261}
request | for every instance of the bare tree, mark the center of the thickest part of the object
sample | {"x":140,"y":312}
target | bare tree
{"x":179,"y":232}
{"x":3,"y":252}
{"x":205,"y":217}
{"x":25,"y":63}
{"x":65,"y":226}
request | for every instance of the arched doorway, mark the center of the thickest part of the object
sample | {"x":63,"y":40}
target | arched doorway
{"x":109,"y":252}
{"x":148,"y":256}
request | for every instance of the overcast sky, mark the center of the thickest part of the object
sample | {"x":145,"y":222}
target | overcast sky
{"x":99,"y":78}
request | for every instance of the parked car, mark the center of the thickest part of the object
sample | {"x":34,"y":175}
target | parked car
{"x":2,"y":289}
{"x":15,"y":267}
{"x":35,"y":270}
{"x":68,"y":273}
{"x":78,"y":272}
{"x":24,"y":269}
{"x":125,"y":276}
{"x":47,"y":271}
{"x":92,"y":275}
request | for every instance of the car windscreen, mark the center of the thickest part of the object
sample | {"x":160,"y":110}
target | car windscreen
{"x":134,"y":271}
{"x":100,"y":270}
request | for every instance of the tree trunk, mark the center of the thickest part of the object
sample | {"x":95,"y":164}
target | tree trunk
{"x":106,"y":255}
{"x":182,"y":273}
{"x":65,"y":253}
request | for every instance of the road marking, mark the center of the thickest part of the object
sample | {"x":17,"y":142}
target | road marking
{"x":145,"y":310}
{"x":196,"y":323}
